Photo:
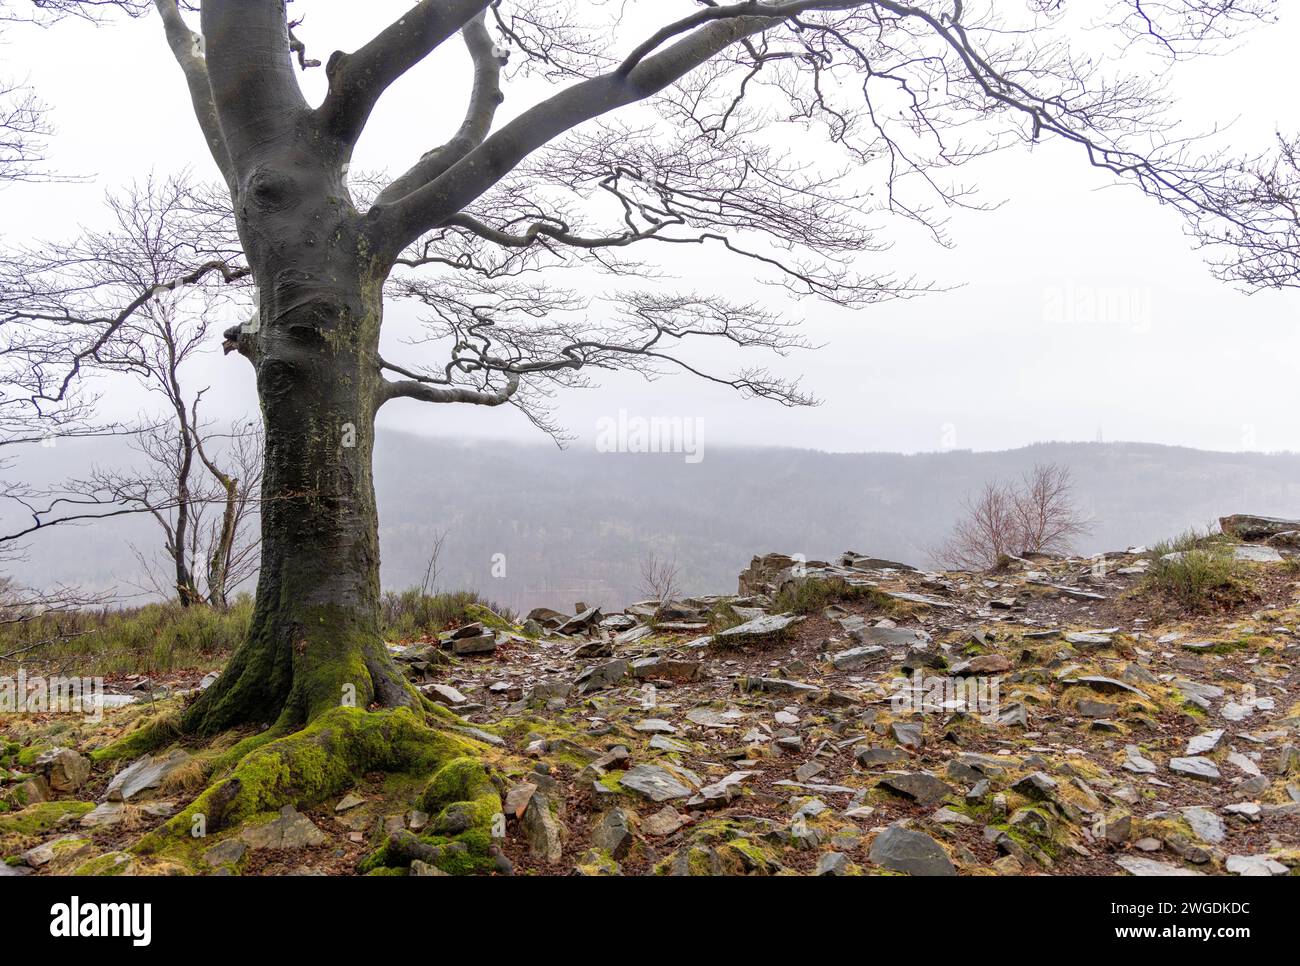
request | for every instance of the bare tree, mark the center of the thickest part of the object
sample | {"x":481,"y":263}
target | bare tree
{"x":429,"y":582}
{"x":26,"y":419}
{"x":232,"y":542}
{"x":659,"y":580}
{"x":189,"y":468}
{"x":1046,"y":514}
{"x":1036,"y":515}
{"x":986,"y":534}
{"x":895,"y":96}
{"x":200,"y":486}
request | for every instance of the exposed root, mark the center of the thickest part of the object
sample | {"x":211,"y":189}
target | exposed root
{"x":259,"y":775}
{"x":464,"y":806}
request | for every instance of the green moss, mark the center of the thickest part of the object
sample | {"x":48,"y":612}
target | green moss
{"x":108,"y":864}
{"x":597,"y":862}
{"x":748,"y":854}
{"x":488,"y":618}
{"x":308,"y":766}
{"x":461,"y":780}
{"x":610,"y":780}
{"x":44,"y":817}
{"x":464,"y":806}
{"x":151,"y":734}
{"x":26,"y":757}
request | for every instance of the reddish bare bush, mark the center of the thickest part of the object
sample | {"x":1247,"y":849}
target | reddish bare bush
{"x":1036,"y":515}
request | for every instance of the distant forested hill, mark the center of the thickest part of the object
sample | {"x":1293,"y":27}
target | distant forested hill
{"x":564,"y":526}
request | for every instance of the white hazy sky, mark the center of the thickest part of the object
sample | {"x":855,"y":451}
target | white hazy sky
{"x":1009,"y":356}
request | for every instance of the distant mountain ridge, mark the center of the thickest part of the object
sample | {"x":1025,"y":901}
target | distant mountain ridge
{"x":530,"y":525}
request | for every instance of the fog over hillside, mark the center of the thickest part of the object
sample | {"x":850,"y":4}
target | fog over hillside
{"x":575,"y":524}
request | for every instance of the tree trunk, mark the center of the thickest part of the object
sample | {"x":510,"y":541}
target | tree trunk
{"x":315,"y":641}
{"x":219,"y":560}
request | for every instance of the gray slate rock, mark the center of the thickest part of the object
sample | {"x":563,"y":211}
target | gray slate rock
{"x":143,"y":774}
{"x":857,"y":658}
{"x":1195,"y":767}
{"x":759,"y":629}
{"x":915,"y":853}
{"x":922,"y":788}
{"x":655,"y":783}
{"x":1139,"y":866}
{"x":291,"y":830}
{"x":833,"y":863}
{"x":543,"y":830}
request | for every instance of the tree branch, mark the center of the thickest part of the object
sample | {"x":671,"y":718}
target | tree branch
{"x":187,"y":48}
{"x":359,"y":79}
{"x":484,"y":100}
{"x":423,"y":391}
{"x":401,"y":223}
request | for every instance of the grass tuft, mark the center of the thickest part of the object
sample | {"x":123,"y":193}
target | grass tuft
{"x":1198,"y":572}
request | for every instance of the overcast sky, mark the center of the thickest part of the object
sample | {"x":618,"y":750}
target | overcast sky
{"x":1012,"y":354}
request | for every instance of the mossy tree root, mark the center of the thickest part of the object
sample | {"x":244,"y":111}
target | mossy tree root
{"x":325,"y":759}
{"x":465,"y":810}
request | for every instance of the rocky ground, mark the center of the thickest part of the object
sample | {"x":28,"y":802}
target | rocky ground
{"x":855,"y":716}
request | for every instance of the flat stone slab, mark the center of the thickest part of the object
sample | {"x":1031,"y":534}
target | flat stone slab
{"x":918,"y":786}
{"x":1206,"y":741}
{"x":143,"y":774}
{"x":1240,"y":761}
{"x":1255,"y":865}
{"x":720,"y":792}
{"x":654,"y":726}
{"x":778,"y":686}
{"x":1137,"y":865}
{"x":712,"y":718}
{"x":666,"y":821}
{"x":1136,"y":763}
{"x":1251,"y":554}
{"x":1074,"y":593}
{"x":228,"y":852}
{"x":772,"y":625}
{"x":655,"y":783}
{"x":1207,"y":825}
{"x":924,"y":599}
{"x":1104,"y":685}
{"x":856,"y":658}
{"x":444,"y":694}
{"x":888,"y":636}
{"x":484,"y":643}
{"x":103,"y":815}
{"x":1195,"y":767}
{"x":1088,"y":639}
